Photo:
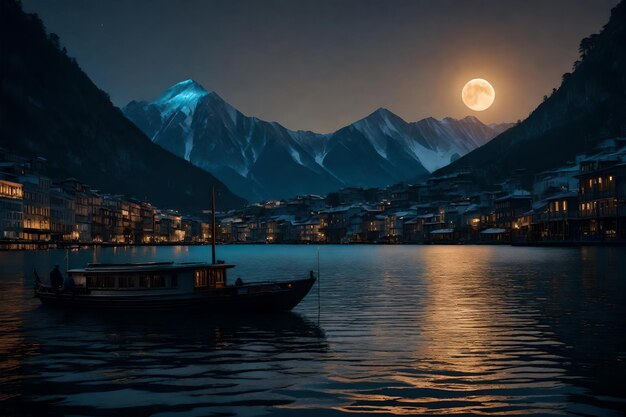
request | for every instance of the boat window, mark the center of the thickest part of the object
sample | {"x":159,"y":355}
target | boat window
{"x":131,"y":281}
{"x":219,"y":276}
{"x":157,"y":281}
{"x":79,"y":280}
{"x":144,"y":281}
{"x":126,"y":282}
{"x":100,"y":281}
{"x":209,"y":277}
{"x":200,"y":278}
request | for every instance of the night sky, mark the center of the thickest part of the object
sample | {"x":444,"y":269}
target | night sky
{"x":320,"y":65}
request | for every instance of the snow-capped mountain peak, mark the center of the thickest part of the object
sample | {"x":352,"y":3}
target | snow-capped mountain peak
{"x":182,"y":96}
{"x":184,"y":87}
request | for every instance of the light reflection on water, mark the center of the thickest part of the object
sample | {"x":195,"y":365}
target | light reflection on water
{"x":403,"y":330}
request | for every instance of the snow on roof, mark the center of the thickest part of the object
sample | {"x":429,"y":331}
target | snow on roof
{"x":421,"y":205}
{"x":563,"y":194}
{"x":472,"y":207}
{"x":565,"y":169}
{"x":539,"y":205}
{"x":339,"y":209}
{"x":311,"y":221}
{"x":619,"y":154}
{"x":519,"y":192}
{"x":442,"y":231}
{"x":515,"y":194}
{"x":231,"y":220}
{"x":493,"y":231}
{"x":370,"y":208}
{"x":284,"y":218}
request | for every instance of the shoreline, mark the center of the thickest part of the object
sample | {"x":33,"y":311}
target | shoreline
{"x":10,"y":246}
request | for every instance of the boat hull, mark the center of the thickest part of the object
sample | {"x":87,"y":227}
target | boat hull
{"x":265,"y":297}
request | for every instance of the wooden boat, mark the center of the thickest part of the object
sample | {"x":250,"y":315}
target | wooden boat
{"x":171,"y":286}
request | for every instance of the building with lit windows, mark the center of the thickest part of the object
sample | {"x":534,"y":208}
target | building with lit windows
{"x":556,"y":219}
{"x":169,"y":227}
{"x":36,"y":207}
{"x":11,"y":210}
{"x":602,"y":200}
{"x":62,"y":215}
{"x":83,"y":208}
{"x":510,"y":207}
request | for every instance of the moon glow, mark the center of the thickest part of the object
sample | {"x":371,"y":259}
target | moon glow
{"x":478,"y":94}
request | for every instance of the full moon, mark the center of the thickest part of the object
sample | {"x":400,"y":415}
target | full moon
{"x":478,"y":94}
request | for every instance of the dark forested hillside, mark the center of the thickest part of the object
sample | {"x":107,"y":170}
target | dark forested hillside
{"x":590,"y":105}
{"x":50,"y":108}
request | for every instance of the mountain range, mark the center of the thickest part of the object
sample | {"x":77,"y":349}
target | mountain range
{"x":588,"y":107}
{"x":262,"y":160}
{"x":50,"y":108}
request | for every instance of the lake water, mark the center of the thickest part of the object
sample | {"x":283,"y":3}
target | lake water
{"x":455,"y":330}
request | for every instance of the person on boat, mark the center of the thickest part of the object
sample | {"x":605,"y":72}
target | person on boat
{"x":68,"y":284}
{"x":56,"y":278}
{"x":239,"y":282}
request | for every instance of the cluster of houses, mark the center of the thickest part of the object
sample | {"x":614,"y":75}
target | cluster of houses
{"x":35,"y":210}
{"x":584,"y":201}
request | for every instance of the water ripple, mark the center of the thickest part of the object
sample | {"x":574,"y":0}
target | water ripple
{"x":402,"y":330}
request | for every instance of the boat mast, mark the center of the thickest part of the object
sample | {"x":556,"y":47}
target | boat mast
{"x":319,"y":305}
{"x":213,"y":228}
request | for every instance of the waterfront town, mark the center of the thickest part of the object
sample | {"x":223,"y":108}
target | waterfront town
{"x":582,"y":202}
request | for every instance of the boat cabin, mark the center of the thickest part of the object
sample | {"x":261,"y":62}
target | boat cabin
{"x":152,"y":278}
